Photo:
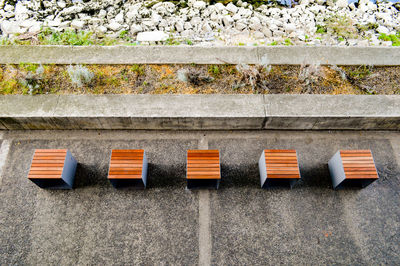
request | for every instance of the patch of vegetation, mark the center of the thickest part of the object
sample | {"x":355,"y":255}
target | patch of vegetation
{"x":214,"y":70}
{"x":366,"y":27}
{"x":138,"y":69}
{"x":287,"y":42}
{"x":360,"y":72}
{"x":342,"y":26}
{"x":394,"y":38}
{"x":321,"y":29}
{"x":68,"y":37}
{"x":273,"y":43}
{"x":80,"y":75}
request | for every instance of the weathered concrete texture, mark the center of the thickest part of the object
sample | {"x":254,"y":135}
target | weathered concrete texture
{"x":318,"y":112}
{"x":293,"y":55}
{"x":207,"y":112}
{"x":95,"y":223}
{"x":312,"y":223}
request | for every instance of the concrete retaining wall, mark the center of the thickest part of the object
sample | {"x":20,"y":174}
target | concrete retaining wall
{"x":276,"y":55}
{"x":195,"y":112}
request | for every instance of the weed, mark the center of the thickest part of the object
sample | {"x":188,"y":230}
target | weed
{"x":214,"y":70}
{"x":341,"y":26}
{"x":321,"y":29}
{"x":273,"y":43}
{"x":252,"y":75}
{"x":80,"y":75}
{"x":138,"y":69}
{"x":241,"y":44}
{"x":189,"y":42}
{"x":360,"y":72}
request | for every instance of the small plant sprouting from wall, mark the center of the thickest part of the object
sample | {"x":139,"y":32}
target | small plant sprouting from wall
{"x":80,"y":75}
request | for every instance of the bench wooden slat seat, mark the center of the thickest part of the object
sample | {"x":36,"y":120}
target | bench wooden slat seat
{"x":53,"y":168}
{"x":278,"y":167}
{"x":128,"y":168}
{"x":203,"y":169}
{"x":352,"y":168}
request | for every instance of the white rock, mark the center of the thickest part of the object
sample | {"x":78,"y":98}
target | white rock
{"x":35,"y":27}
{"x":135,"y":28}
{"x":258,"y":35}
{"x":220,"y":7}
{"x":61,"y":4}
{"x":228,"y":20}
{"x":54,"y":22}
{"x":187,"y":25}
{"x":8,"y":8}
{"x":102,"y":14}
{"x":119,"y":18}
{"x":232,"y":8}
{"x":114,"y":26}
{"x":21,"y":11}
{"x":267,"y":32}
{"x":179,"y":26}
{"x":363,"y":43}
{"x":151,"y":36}
{"x":388,"y":43}
{"x":363,"y":2}
{"x":101,"y":29}
{"x":240,"y":26}
{"x":27,"y":23}
{"x":304,"y":2}
{"x":132,"y":14}
{"x":382,"y":29}
{"x":341,"y":3}
{"x":289,"y":28}
{"x":199,"y":4}
{"x":187,"y":33}
{"x":77,"y":24}
{"x":11,"y":27}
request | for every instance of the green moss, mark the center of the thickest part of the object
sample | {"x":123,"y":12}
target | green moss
{"x":394,"y":38}
{"x":288,"y":42}
{"x":10,"y":86}
{"x":28,"y":67}
{"x":360,"y":72}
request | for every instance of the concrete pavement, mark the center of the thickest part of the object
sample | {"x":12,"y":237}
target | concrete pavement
{"x":97,"y":224}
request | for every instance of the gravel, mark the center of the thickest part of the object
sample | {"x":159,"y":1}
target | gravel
{"x":310,"y":22}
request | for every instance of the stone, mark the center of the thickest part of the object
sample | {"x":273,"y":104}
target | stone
{"x":135,"y":28}
{"x":11,"y":27}
{"x":119,"y":18}
{"x":199,"y":4}
{"x":102,"y":14}
{"x":101,"y":29}
{"x":228,"y":20}
{"x":152,"y":36}
{"x":240,"y":26}
{"x":289,"y":28}
{"x":179,"y":26}
{"x":258,"y":35}
{"x":61,"y":4}
{"x":382,"y":29}
{"x":232,"y":8}
{"x":36,"y":26}
{"x":341,"y":3}
{"x":77,"y":24}
{"x":114,"y":26}
{"x":267,"y":32}
{"x":304,"y":2}
{"x":21,"y":12}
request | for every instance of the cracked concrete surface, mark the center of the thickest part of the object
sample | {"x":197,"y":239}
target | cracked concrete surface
{"x":97,"y":224}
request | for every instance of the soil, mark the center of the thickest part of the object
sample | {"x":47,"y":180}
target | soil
{"x":201,"y":79}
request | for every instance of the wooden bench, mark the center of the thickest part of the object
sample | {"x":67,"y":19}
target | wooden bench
{"x":352,"y":168}
{"x":53,"y":169}
{"x":203,"y":169}
{"x":278,"y":167}
{"x":128,"y":168}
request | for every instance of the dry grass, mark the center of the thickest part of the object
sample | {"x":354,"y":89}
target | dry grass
{"x":203,"y":79}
